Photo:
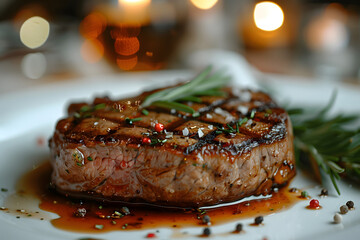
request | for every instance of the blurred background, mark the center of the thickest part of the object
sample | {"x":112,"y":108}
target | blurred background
{"x":45,"y":41}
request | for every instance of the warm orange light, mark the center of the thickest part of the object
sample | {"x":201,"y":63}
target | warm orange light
{"x":93,"y":25}
{"x":134,"y":11}
{"x":327,"y":31}
{"x":28,"y":11}
{"x":268,"y":16}
{"x":125,"y":30}
{"x":127,"y":46}
{"x":127,"y":63}
{"x":204,"y":4}
{"x":135,"y":3}
{"x":92,"y":50}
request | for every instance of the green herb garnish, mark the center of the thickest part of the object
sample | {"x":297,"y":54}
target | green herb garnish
{"x":328,"y":144}
{"x":203,"y":84}
{"x":131,"y":121}
{"x":242,"y":121}
{"x":99,"y":106}
{"x":304,"y":194}
{"x":157,"y":141}
{"x":86,"y":110}
{"x":237,"y":126}
{"x":117,"y":213}
{"x":145,"y":112}
{"x":190,"y":99}
{"x":99,"y":226}
{"x":252,"y":115}
{"x":231,"y":129}
{"x":174,"y":105}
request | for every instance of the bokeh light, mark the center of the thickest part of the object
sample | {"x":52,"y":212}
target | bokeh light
{"x":135,"y":2}
{"x":34,"y":65}
{"x":134,"y":5}
{"x":268,"y":16}
{"x":328,"y":32}
{"x":93,"y":25}
{"x":34,"y":32}
{"x":127,"y":46}
{"x":92,"y":50}
{"x":127,"y":63}
{"x":204,"y":4}
{"x":125,"y":30}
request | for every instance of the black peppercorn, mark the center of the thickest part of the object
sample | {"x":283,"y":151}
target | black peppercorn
{"x":350,"y":204}
{"x":324,"y":192}
{"x":259,"y":220}
{"x":239,"y":227}
{"x":344,"y":209}
{"x":207,"y":231}
{"x":206,"y":219}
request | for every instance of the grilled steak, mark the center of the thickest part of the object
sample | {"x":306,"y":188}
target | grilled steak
{"x":240,"y":145}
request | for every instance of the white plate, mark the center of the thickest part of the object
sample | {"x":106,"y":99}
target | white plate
{"x":30,"y":114}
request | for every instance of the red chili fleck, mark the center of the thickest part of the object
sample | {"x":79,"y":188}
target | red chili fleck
{"x":226,"y":144}
{"x":40,"y":141}
{"x":146,"y":140}
{"x":98,"y":213}
{"x":159,"y":127}
{"x":151,"y":235}
{"x":123,"y":164}
{"x":314,"y":203}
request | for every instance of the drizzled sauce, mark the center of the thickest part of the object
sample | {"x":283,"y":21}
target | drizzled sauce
{"x":98,"y":215}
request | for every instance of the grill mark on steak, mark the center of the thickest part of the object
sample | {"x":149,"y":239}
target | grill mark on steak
{"x":182,"y":119}
{"x":184,"y":171}
{"x":101,"y":183}
{"x":137,"y":155}
{"x":201,"y":142}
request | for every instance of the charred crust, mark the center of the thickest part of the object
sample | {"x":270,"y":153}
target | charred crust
{"x":195,"y":154}
{"x":276,"y":120}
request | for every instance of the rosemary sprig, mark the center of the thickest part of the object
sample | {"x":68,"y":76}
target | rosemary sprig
{"x":204,"y":84}
{"x":174,"y":105}
{"x":329,"y":144}
{"x":86,"y":111}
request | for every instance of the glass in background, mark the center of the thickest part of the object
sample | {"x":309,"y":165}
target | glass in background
{"x":330,"y":40}
{"x":134,"y":35}
{"x":312,"y":38}
{"x":32,"y":38}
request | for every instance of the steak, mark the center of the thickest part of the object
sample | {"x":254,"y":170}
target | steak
{"x":240,"y":145}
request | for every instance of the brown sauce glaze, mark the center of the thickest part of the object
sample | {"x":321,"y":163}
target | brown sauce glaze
{"x":100,"y":216}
